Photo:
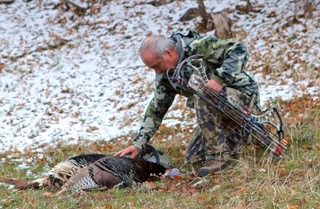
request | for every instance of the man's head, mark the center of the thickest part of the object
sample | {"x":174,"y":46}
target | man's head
{"x":159,"y":53}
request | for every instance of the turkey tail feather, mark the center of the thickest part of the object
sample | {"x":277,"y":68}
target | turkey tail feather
{"x":60,"y":173}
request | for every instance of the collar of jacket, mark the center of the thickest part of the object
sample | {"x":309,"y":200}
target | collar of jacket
{"x":180,"y":46}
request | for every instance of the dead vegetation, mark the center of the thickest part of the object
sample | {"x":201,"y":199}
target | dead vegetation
{"x":253,"y":181}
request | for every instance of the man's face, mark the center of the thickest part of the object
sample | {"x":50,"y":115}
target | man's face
{"x":160,"y":64}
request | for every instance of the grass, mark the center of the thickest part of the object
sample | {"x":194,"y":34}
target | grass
{"x":255,"y":181}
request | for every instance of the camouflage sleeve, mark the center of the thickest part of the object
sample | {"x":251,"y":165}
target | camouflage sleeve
{"x":154,"y":114}
{"x":225,"y":59}
{"x":234,"y":61}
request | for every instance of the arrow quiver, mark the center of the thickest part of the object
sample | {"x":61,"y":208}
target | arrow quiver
{"x":266,"y":128}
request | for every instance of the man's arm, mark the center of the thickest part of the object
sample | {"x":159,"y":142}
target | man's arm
{"x":234,"y":61}
{"x":154,"y":115}
{"x":225,"y":59}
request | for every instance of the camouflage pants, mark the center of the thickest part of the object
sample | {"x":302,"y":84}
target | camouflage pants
{"x":216,"y":136}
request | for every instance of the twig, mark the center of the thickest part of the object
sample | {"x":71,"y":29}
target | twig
{"x":73,"y":4}
{"x":6,"y":1}
{"x":79,"y":9}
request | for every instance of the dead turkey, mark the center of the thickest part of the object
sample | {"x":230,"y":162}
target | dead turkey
{"x":98,"y":171}
{"x":110,"y":171}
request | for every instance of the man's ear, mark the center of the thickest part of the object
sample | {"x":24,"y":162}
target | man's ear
{"x":170,"y":53}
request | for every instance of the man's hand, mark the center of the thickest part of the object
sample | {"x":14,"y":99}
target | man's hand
{"x":132,"y":151}
{"x":214,"y":86}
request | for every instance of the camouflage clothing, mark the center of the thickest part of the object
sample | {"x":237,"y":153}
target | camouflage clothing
{"x":222,"y":61}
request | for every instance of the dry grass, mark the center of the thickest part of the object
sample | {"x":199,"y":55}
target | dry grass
{"x":254,"y":181}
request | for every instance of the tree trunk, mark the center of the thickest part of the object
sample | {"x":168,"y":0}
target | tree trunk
{"x":217,"y":21}
{"x":202,"y":10}
{"x":222,"y":24}
{"x":202,"y":26}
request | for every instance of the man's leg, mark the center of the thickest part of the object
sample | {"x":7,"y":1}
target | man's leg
{"x":222,"y":136}
{"x":217,"y":153}
{"x":196,"y":148}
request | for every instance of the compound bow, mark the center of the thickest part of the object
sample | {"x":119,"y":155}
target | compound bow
{"x":267,"y":127}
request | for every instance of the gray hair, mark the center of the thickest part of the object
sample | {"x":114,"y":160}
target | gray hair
{"x":157,"y":45}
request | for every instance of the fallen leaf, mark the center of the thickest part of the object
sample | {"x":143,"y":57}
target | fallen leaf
{"x":16,"y":155}
{"x":149,"y":185}
{"x":48,"y":194}
{"x":2,"y":66}
{"x":292,"y":207}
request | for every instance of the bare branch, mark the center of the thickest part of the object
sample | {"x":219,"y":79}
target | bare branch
{"x":6,"y":1}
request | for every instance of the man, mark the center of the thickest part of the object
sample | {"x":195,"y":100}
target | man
{"x":220,"y":64}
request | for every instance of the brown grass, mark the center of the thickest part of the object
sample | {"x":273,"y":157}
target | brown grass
{"x":254,"y":181}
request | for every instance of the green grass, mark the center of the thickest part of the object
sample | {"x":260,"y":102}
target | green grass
{"x":254,"y":181}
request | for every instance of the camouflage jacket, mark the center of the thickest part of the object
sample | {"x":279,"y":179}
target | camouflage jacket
{"x":219,"y":62}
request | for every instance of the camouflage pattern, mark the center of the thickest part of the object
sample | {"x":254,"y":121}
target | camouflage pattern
{"x":215,"y":136}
